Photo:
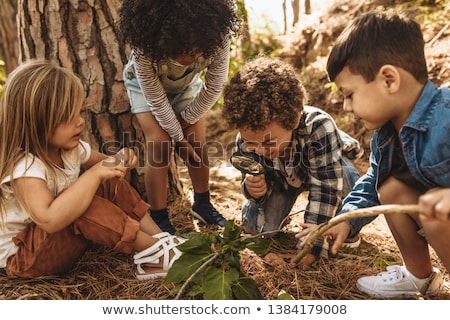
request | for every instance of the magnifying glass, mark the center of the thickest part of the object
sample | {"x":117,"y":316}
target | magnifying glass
{"x":247,"y":162}
{"x":112,"y":161}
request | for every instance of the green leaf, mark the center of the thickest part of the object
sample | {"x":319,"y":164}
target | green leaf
{"x":232,"y":258}
{"x":246,"y":289}
{"x":195,"y":290}
{"x":258,"y":245}
{"x":231,"y":231}
{"x":283,"y":295}
{"x":196,"y":244}
{"x":217,"y":283}
{"x":185,"y":266}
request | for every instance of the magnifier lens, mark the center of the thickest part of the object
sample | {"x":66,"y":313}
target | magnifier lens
{"x":247,"y":164}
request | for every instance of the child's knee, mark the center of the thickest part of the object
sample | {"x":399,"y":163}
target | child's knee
{"x":393,"y":191}
{"x":434,"y":226}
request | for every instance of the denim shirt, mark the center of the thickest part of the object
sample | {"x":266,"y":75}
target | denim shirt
{"x":426,"y":147}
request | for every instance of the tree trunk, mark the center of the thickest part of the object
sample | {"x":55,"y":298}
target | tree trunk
{"x":307,"y":7}
{"x":295,"y":11}
{"x":9,"y":49}
{"x":82,"y":35}
{"x":244,"y":37}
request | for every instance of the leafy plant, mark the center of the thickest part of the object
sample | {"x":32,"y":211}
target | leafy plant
{"x":210,"y":265}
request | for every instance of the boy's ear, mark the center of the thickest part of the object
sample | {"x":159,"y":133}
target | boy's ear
{"x":391,"y":77}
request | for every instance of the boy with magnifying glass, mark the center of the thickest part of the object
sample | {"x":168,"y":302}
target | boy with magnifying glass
{"x":300,"y":148}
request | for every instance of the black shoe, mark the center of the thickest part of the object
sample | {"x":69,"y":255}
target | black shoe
{"x":163,"y":223}
{"x":207,"y":214}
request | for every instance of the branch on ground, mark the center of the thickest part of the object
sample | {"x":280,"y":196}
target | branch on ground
{"x":366,"y":212}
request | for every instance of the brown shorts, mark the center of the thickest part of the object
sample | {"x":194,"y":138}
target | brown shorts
{"x":112,"y":219}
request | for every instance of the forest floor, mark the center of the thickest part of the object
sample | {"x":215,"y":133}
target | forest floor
{"x":104,"y":274}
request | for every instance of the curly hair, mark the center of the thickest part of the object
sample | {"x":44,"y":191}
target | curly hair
{"x":262,"y":91}
{"x":161,"y":29}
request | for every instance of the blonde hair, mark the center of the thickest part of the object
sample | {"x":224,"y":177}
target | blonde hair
{"x":38,"y":96}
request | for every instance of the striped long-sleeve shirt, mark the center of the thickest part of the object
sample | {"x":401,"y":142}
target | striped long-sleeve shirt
{"x":150,"y":76}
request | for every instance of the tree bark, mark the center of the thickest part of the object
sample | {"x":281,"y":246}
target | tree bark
{"x":244,"y":36}
{"x":83,"y":36}
{"x":9,"y":49}
{"x":295,"y":11}
{"x":307,"y":7}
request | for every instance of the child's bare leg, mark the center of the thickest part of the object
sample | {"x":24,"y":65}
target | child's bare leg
{"x":404,"y":227}
{"x":437,"y":233}
{"x":143,"y":241}
{"x":158,"y":150}
{"x":198,"y":172}
{"x":149,"y":226}
{"x":156,"y":162}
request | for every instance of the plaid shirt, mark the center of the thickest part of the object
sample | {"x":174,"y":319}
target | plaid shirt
{"x":316,"y":149}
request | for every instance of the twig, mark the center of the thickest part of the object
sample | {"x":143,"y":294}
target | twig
{"x":440,"y":33}
{"x":366,"y":212}
{"x":203,"y":266}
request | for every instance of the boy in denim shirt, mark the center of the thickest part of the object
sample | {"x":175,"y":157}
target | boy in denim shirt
{"x":379,"y":65}
{"x":301,"y":147}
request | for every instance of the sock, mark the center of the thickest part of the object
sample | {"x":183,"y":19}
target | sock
{"x":159,"y":214}
{"x":417,"y":281}
{"x":201,"y":197}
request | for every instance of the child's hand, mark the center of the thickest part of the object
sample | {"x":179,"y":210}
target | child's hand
{"x":187,"y":152}
{"x":183,"y":123}
{"x":255,"y":185}
{"x":128,"y":158}
{"x":111,"y":167}
{"x":307,"y":261}
{"x":338,"y":234}
{"x":435,"y":204}
{"x":307,"y":228}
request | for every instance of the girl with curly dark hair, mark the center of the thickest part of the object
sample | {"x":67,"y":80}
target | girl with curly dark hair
{"x":174,"y":43}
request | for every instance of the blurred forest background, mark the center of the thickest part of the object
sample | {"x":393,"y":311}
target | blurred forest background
{"x":82,"y":35}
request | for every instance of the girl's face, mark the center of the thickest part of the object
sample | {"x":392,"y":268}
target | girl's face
{"x":272,"y":142}
{"x":67,"y":135}
{"x":186,"y":59}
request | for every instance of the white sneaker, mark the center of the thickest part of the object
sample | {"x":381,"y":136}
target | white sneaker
{"x":396,"y":281}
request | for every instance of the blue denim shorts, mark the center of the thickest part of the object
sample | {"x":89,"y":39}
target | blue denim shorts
{"x":179,"y":101}
{"x":137,"y":100}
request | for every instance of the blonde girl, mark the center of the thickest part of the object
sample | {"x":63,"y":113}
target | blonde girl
{"x":50,"y":213}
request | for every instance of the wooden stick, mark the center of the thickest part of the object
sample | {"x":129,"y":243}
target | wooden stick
{"x":365,"y":212}
{"x":440,"y":33}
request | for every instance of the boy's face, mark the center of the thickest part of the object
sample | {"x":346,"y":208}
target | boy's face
{"x":368,"y":101}
{"x":272,"y":142}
